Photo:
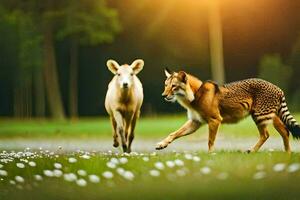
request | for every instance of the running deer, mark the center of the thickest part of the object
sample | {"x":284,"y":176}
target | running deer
{"x":123,"y":101}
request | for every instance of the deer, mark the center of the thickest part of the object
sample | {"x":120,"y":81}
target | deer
{"x":123,"y":101}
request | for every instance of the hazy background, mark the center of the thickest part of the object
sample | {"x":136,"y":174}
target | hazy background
{"x":52,"y":56}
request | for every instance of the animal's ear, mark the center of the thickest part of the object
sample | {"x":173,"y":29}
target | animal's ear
{"x":137,"y":66}
{"x":113,"y":66}
{"x":167,"y":72}
{"x":182,"y":76}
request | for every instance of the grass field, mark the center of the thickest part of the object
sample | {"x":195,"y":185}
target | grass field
{"x":56,"y":174}
{"x":147,"y":127}
{"x":185,"y":175}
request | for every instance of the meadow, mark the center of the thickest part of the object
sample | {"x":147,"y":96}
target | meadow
{"x":61,"y":174}
{"x":147,"y":128}
{"x":178,"y":175}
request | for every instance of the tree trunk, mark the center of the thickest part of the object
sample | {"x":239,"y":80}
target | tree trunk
{"x":216,"y":42}
{"x":39,"y":88}
{"x":50,"y":75}
{"x":73,"y":87}
{"x":17,"y":101}
{"x":28,"y":96}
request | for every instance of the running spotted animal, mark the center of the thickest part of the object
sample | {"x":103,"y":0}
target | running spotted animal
{"x":208,"y":102}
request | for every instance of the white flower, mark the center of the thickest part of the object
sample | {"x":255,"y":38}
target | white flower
{"x":293,"y":167}
{"x":205,"y":170}
{"x":38,"y":177}
{"x":222,"y":176}
{"x":170,"y":164}
{"x":279,"y":167}
{"x":20,"y":165}
{"x":48,"y":173}
{"x":57,"y":165}
{"x":159,"y":165}
{"x":70,"y":177}
{"x":154,"y":173}
{"x":259,"y":175}
{"x":107,"y":174}
{"x":12,"y":182}
{"x":153,"y":154}
{"x":120,"y":171}
{"x":115,"y":160}
{"x":32,"y":164}
{"x":188,"y":156}
{"x":126,"y":154}
{"x":81,"y":172}
{"x":111,"y":165}
{"x":94,"y":178}
{"x":145,"y":158}
{"x":1,"y":166}
{"x":134,"y":153}
{"x":181,"y":172}
{"x":123,"y":160}
{"x":196,"y":159}
{"x":271,"y":150}
{"x":81,"y":182}
{"x":72,"y":160}
{"x":179,"y":162}
{"x":57,"y":173}
{"x":3,"y":172}
{"x":85,"y":156}
{"x":128,"y":175}
{"x":19,"y":179}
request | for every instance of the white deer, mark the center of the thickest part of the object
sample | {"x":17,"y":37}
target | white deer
{"x":123,"y":101}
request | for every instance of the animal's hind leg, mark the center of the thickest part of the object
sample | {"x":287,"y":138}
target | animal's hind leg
{"x":213,"y":126}
{"x":281,"y":128}
{"x":263,"y":136}
{"x":115,"y":135}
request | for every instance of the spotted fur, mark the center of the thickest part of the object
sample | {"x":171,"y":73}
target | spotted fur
{"x":229,"y":103}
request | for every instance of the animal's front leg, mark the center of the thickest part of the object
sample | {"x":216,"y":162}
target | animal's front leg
{"x":213,"y":126}
{"x":115,"y":135}
{"x":131,"y":132}
{"x":189,"y":127}
{"x":121,"y":129}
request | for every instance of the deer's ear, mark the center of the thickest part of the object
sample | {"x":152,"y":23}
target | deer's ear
{"x":168,"y":72}
{"x":137,"y":66}
{"x":182,"y":76}
{"x":112,"y":65}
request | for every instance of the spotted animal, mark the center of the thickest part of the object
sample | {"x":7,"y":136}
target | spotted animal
{"x":208,"y":102}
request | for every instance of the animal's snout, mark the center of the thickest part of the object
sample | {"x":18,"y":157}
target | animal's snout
{"x":164,"y":95}
{"x":125,"y":85}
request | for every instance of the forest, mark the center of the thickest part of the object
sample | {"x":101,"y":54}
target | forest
{"x":53,"y":54}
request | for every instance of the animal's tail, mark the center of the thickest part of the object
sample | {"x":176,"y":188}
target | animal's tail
{"x":288,"y":119}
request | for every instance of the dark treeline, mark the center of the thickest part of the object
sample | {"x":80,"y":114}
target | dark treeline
{"x":52,"y":56}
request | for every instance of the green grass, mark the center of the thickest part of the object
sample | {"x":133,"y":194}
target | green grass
{"x":181,"y":182}
{"x":237,"y":171}
{"x":147,"y":127}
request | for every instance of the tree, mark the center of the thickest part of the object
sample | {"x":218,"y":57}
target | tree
{"x":86,"y":22}
{"x":216,"y":42}
{"x":44,"y":16}
{"x":27,"y":77}
{"x":271,"y":68}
